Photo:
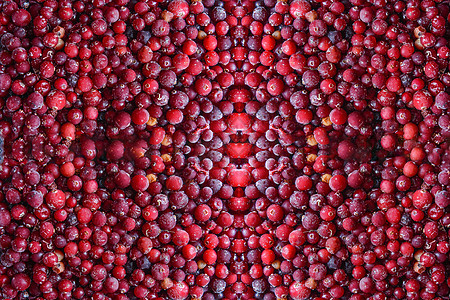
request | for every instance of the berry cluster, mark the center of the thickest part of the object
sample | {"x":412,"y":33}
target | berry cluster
{"x":240,"y":149}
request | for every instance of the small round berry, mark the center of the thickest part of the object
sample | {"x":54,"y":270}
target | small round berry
{"x":338,"y":183}
{"x":139,"y":183}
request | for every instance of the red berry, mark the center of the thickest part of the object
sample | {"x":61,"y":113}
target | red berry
{"x":56,"y":100}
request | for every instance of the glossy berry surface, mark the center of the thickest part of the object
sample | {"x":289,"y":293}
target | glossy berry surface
{"x":240,"y":149}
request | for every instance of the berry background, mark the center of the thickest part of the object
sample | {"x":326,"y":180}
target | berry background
{"x":224,"y":149}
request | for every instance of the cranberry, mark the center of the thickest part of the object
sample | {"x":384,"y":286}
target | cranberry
{"x":203,"y":149}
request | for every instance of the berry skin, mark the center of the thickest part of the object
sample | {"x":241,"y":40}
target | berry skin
{"x":299,"y":8}
{"x":275,"y":213}
{"x":299,"y":291}
{"x":56,"y":100}
{"x":224,"y":149}
{"x":55,"y":199}
{"x":338,"y":183}
{"x":139,"y":183}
